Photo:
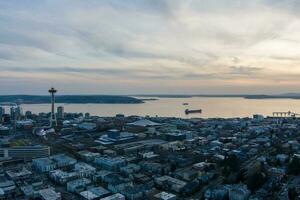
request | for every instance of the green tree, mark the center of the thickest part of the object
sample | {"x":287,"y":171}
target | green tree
{"x":292,"y":193}
{"x":256,"y":180}
{"x":294,"y":166}
{"x":231,"y":164}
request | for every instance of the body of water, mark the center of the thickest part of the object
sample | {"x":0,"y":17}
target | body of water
{"x":173,"y":107}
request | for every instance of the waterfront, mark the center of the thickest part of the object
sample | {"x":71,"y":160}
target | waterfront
{"x":150,"y":157}
{"x":173,"y":107}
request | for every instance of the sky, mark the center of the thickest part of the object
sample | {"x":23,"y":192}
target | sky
{"x":150,"y":46}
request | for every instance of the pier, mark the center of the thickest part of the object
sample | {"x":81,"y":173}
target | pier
{"x":285,"y":114}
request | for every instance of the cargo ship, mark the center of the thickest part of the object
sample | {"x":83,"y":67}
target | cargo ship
{"x":187,"y":111}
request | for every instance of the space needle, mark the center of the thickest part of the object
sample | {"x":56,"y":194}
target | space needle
{"x":53,"y":122}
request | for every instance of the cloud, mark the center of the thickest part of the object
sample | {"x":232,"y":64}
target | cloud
{"x":162,"y":40}
{"x":244,"y":70}
{"x":142,"y":73}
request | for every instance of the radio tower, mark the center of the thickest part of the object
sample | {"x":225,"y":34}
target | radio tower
{"x":53,"y":122}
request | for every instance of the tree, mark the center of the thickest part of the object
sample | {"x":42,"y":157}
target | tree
{"x":231,"y":164}
{"x":256,"y":180}
{"x":294,"y":166}
{"x":292,"y":193}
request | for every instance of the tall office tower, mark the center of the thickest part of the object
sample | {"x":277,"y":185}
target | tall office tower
{"x":2,"y":111}
{"x":28,"y":114}
{"x":15,"y":112}
{"x":13,"y":116}
{"x":60,"y":112}
{"x":12,"y":112}
{"x":53,"y":121}
{"x":18,"y":112}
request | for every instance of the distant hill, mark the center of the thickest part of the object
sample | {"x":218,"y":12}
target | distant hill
{"x":291,"y":94}
{"x":246,"y":96}
{"x":285,"y":96}
{"x":99,"y":99}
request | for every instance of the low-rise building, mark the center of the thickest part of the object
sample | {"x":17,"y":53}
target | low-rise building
{"x":84,"y":170}
{"x":130,"y":169}
{"x":94,"y":193}
{"x":62,"y":177}
{"x":16,"y":174}
{"x":72,"y":186}
{"x":109,"y":163}
{"x":49,"y":194}
{"x":116,"y":196}
{"x":44,"y":164}
{"x":25,"y":152}
{"x":167,"y":181}
{"x":88,"y":156}
{"x":100,"y":175}
{"x":165,"y":196}
{"x":6,"y":188}
{"x":63,"y":160}
{"x":87,"y":126}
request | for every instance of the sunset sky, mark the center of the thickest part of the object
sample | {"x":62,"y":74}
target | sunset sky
{"x":150,"y":46}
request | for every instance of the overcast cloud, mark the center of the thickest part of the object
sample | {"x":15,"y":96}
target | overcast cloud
{"x":140,"y":46}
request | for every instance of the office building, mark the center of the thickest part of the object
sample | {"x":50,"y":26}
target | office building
{"x":116,"y":196}
{"x":60,"y":112}
{"x":25,"y":152}
{"x":2,"y":111}
{"x":109,"y":163}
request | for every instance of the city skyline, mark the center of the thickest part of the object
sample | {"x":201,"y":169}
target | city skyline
{"x":143,"y":47}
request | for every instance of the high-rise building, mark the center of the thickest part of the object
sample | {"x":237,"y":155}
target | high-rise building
{"x":28,"y":114}
{"x":53,"y":121}
{"x":87,"y":115}
{"x":60,"y":112}
{"x":2,"y":111}
{"x":12,"y":112}
{"x":15,"y":112}
{"x":18,"y":111}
